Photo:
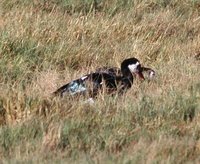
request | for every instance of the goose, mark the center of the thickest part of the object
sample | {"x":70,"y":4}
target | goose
{"x":90,"y":84}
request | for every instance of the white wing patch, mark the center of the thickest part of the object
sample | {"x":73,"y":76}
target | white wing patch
{"x":133,"y":67}
{"x":75,"y":87}
{"x":84,"y":77}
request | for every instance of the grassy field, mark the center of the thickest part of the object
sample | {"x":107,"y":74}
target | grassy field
{"x":44,"y":44}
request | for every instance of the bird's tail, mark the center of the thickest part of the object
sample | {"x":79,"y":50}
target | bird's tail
{"x":61,"y":90}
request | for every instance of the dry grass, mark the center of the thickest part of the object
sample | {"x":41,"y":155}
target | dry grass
{"x":45,"y":44}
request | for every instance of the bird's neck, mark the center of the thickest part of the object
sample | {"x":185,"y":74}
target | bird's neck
{"x":126,"y":72}
{"x":127,"y":77}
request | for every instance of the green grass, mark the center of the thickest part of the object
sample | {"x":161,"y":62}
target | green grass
{"x":45,"y":44}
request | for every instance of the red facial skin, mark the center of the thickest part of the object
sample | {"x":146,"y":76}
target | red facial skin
{"x":141,"y":76}
{"x":139,"y":72}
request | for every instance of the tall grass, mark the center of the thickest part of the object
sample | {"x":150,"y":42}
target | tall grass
{"x":45,"y":44}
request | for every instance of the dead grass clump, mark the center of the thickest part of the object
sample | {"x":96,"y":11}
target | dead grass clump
{"x":44,"y":85}
{"x":51,"y":137}
{"x":46,"y":44}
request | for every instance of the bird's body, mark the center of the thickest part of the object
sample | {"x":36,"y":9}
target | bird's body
{"x":91,"y":84}
{"x":112,"y":80}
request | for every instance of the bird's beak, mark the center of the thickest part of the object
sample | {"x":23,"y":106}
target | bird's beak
{"x":139,"y":73}
{"x":141,"y":76}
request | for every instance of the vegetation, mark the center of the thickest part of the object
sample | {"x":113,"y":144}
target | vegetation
{"x":44,"y":44}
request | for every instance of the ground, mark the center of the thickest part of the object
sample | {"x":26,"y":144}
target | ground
{"x":45,"y":44}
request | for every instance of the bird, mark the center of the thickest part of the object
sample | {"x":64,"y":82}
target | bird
{"x":91,"y":84}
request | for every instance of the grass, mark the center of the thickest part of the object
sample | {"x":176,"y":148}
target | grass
{"x":45,"y":44}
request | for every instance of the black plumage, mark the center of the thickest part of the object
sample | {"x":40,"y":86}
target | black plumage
{"x":92,"y":83}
